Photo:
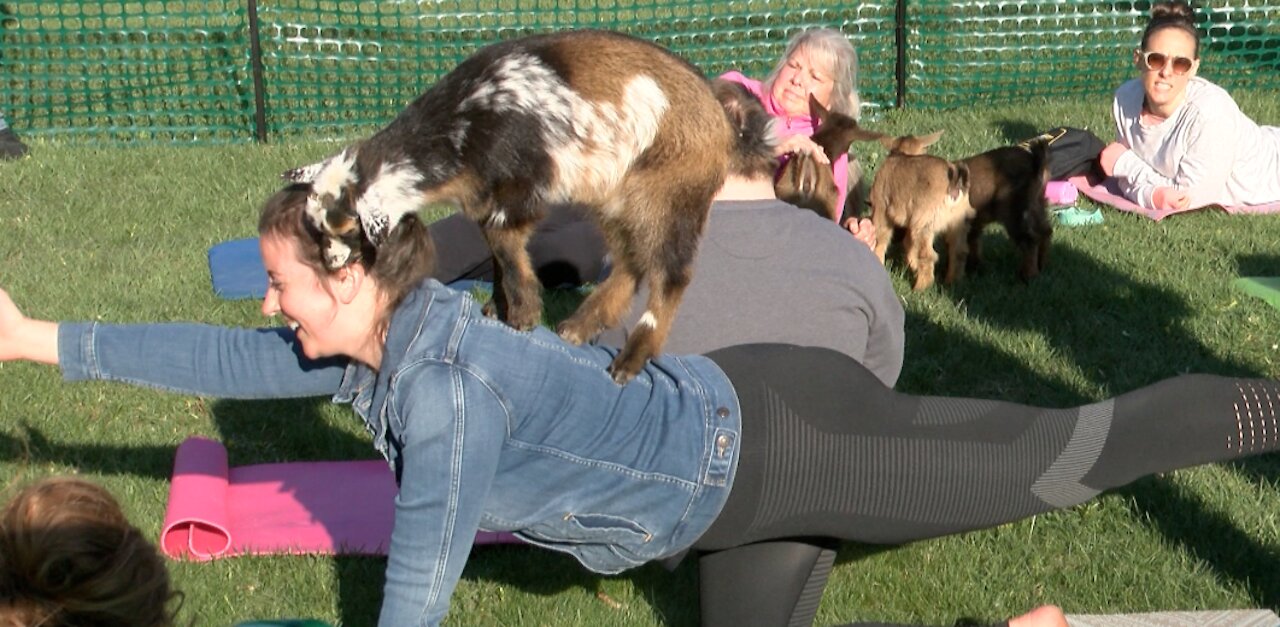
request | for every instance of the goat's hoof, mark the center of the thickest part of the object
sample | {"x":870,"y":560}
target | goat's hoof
{"x":490,"y":310}
{"x":625,"y":367}
{"x":574,"y":332}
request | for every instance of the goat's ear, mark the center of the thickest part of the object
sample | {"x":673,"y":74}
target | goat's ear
{"x":305,"y":174}
{"x":863,"y":135}
{"x":816,"y":110}
{"x":888,"y":142}
{"x":928,"y":140}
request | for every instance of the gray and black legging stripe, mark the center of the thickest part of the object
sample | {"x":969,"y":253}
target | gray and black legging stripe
{"x":828,"y":452}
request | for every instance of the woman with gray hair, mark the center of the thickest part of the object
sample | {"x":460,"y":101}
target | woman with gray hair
{"x":823,"y":63}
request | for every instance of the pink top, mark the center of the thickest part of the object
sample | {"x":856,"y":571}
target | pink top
{"x":794,"y":125}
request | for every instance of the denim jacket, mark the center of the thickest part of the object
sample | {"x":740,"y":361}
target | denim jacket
{"x":486,"y":428}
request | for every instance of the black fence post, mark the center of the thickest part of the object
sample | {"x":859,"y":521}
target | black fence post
{"x":900,"y":42}
{"x":259,"y":84}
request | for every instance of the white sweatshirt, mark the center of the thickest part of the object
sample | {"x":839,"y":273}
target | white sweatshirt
{"x":1207,"y":147}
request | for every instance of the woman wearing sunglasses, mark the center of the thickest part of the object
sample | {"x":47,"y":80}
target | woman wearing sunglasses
{"x":1181,"y":140}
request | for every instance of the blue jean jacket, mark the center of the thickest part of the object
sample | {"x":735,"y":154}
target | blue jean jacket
{"x":486,"y":428}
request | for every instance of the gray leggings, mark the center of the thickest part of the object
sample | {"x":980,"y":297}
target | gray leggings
{"x":830,"y":452}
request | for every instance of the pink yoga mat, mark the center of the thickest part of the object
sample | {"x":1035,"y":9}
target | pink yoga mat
{"x":1107,"y":192}
{"x":299,"y":507}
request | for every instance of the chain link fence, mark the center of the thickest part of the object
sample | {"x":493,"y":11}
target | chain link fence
{"x":229,"y":71}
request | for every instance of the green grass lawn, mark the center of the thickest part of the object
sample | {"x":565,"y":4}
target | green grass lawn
{"x":120,"y":234}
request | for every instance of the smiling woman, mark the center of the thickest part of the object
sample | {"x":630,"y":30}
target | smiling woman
{"x":819,"y":62}
{"x":720,"y":456}
{"x":1181,"y":141}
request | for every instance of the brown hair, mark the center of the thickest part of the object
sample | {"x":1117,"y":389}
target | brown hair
{"x":752,"y":156}
{"x":69,"y":557}
{"x":1176,"y":14}
{"x":398,"y":265}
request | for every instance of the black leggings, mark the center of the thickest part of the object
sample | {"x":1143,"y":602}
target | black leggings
{"x":830,"y":452}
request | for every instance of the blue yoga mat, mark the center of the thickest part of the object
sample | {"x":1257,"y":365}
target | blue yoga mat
{"x":236,"y":269}
{"x":237,"y":272}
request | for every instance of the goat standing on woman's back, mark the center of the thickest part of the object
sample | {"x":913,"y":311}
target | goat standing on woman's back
{"x":598,"y":118}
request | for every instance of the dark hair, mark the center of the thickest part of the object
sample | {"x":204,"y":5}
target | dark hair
{"x":399,"y":264}
{"x":69,"y":557}
{"x":752,"y":155}
{"x":1176,"y":14}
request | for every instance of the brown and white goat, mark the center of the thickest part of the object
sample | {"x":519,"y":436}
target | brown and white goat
{"x":598,"y":118}
{"x":922,"y":195}
{"x":805,"y":182}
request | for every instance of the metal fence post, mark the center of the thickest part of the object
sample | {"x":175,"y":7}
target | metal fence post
{"x":259,"y":84}
{"x":900,"y":63}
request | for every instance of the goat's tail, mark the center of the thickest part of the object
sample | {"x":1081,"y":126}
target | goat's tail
{"x":1039,"y":148}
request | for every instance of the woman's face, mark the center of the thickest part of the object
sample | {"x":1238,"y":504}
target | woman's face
{"x":801,"y":76}
{"x":1168,"y":52}
{"x":295,"y":291}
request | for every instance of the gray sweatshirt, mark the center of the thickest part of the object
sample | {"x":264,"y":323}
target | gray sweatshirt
{"x":1207,"y":147}
{"x":767,"y":271}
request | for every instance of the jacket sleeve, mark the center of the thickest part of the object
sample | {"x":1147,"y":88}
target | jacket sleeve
{"x":196,"y":359}
{"x":450,"y":428}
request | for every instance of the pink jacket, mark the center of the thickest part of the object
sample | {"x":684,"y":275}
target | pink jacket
{"x":794,"y":125}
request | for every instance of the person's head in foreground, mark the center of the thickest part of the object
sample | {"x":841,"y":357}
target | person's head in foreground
{"x":1168,"y":57}
{"x":821,"y":62}
{"x":69,"y":557}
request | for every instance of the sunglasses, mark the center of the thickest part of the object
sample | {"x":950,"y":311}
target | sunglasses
{"x":1155,"y":62}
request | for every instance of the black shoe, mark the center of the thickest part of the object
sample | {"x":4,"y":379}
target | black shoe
{"x":10,"y":146}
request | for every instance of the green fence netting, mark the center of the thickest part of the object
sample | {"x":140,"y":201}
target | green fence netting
{"x":183,"y":71}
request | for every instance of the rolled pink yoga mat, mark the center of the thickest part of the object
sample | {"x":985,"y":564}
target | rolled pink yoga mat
{"x":1061,"y":192}
{"x":330,"y":508}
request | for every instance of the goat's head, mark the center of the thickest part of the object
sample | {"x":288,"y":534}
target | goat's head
{"x":835,"y":131}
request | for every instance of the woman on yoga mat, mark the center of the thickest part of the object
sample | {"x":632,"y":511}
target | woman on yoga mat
{"x":69,"y":557}
{"x":496,"y":429}
{"x":1181,"y":141}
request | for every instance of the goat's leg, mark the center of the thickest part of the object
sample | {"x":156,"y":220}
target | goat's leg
{"x":603,"y":307}
{"x":517,"y":295}
{"x":927,"y":260}
{"x":973,"y":263}
{"x":884,"y":230}
{"x":650,"y":332}
{"x":921,"y":258}
{"x":1030,"y":268}
{"x":957,"y":252}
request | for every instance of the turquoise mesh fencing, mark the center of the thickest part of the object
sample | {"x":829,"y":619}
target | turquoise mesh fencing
{"x":330,"y":71}
{"x":183,"y":71}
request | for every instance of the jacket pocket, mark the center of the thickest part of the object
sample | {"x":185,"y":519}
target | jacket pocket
{"x":595,"y":528}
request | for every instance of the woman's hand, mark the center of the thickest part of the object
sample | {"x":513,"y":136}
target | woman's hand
{"x":863,"y":230}
{"x":797,"y":144}
{"x":24,"y":338}
{"x":1170,"y":198}
{"x":1110,"y":155}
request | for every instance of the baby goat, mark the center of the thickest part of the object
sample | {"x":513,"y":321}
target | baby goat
{"x":924,"y":196}
{"x":1006,"y":185}
{"x":806,"y":183}
{"x":598,"y":118}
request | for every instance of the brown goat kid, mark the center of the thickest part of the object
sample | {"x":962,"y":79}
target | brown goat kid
{"x":806,"y":183}
{"x":1006,"y":185}
{"x":606,"y":120}
{"x":923,"y":196}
